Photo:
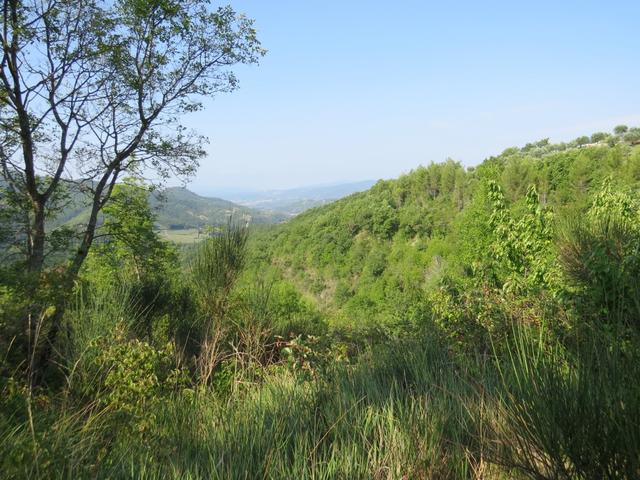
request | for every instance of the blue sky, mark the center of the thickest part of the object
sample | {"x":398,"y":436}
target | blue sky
{"x":354,"y":90}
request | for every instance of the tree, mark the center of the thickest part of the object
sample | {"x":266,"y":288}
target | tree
{"x":583,"y":140}
{"x":599,"y":255}
{"x":632,"y":136}
{"x":620,"y":129}
{"x":93,"y":89}
{"x":132,"y":243}
{"x":598,"y":137}
{"x":132,"y":249}
{"x":521,"y":247}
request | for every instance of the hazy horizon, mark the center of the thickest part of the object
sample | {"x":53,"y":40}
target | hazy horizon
{"x":239,"y":191}
{"x":363,"y":90}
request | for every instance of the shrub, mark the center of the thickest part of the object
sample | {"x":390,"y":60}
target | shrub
{"x":567,"y":416}
{"x":215,"y":269}
{"x":600,"y":256}
{"x":127,"y":374}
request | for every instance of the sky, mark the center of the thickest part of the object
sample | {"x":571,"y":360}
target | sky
{"x":353,"y":90}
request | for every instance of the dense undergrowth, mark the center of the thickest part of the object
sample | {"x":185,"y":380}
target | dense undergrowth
{"x":454,"y":323}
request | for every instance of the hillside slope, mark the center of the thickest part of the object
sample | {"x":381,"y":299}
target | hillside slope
{"x":177,"y":208}
{"x":181,"y":208}
{"x":375,"y":254}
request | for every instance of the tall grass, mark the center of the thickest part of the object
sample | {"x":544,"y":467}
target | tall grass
{"x":403,"y":409}
{"x":216,"y":266}
{"x":571,"y":415}
{"x":95,"y":313}
{"x":398,"y":413}
{"x":600,"y":258}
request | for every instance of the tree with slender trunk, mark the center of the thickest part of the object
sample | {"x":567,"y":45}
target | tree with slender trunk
{"x":92,"y":89}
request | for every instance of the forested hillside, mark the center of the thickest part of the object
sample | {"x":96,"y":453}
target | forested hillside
{"x":175,"y":207}
{"x":375,"y":255}
{"x":181,"y":208}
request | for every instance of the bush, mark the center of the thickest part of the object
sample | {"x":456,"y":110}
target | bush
{"x":601,"y":261}
{"x":215,"y":268}
{"x":127,"y":374}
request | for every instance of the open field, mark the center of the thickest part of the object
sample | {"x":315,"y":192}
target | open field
{"x":186,"y":236}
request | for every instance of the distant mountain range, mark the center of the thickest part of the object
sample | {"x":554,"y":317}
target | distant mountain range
{"x":295,"y":200}
{"x":178,"y":208}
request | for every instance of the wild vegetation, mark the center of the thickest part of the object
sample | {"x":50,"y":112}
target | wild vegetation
{"x":453,"y":323}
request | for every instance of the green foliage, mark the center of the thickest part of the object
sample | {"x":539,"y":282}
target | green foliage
{"x":599,"y":137}
{"x":133,"y":253}
{"x":15,"y":224}
{"x":632,"y":136}
{"x":132,"y":242}
{"x":453,"y":323}
{"x":216,"y":267}
{"x":600,"y":253}
{"x":383,"y":221}
{"x":12,"y":305}
{"x":581,"y":141}
{"x":569,"y":416}
{"x":620,"y":129}
{"x":521,"y":246}
{"x":128,"y":374}
{"x":615,"y":202}
{"x":289,"y":312}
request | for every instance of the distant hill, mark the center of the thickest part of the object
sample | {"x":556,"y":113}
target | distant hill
{"x":180,"y":208}
{"x":296,"y":200}
{"x":177,"y":208}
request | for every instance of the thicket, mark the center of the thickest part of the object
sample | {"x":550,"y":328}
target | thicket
{"x":454,"y":323}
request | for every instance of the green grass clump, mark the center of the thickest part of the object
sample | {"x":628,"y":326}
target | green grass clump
{"x":571,"y":415}
{"x":398,"y":411}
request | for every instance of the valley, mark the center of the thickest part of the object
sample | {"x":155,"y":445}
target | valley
{"x":342,"y":241}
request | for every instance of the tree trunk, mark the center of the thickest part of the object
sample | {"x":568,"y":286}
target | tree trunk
{"x":70,"y":276}
{"x":33,"y":316}
{"x":35,"y":259}
{"x":43,"y":359}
